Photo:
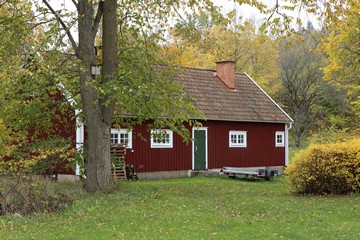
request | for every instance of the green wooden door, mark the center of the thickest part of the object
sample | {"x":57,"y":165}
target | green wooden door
{"x":199,"y":149}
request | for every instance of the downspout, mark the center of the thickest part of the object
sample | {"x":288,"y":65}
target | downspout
{"x":287,"y":143}
{"x":79,"y":138}
{"x":79,"y":141}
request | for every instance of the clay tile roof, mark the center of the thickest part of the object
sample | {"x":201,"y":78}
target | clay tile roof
{"x":247,"y":103}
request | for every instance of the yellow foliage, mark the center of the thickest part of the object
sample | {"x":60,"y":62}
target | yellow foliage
{"x":255,"y":54}
{"x":4,"y":138}
{"x":342,"y":48}
{"x":21,"y":159}
{"x":326,"y":168}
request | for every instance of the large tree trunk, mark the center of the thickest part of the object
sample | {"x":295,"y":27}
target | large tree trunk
{"x":109,"y":57}
{"x":98,"y":167}
{"x":297,"y":140}
{"x":97,"y":115}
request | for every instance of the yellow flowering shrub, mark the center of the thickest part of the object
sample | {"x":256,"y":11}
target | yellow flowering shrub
{"x":326,"y":169}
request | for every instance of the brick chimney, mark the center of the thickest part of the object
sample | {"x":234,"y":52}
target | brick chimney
{"x":225,"y":71}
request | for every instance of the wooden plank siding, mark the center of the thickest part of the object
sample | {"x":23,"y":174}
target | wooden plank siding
{"x":260,"y":150}
{"x":147,"y":159}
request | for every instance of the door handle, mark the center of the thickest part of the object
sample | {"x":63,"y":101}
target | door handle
{"x":195,"y":149}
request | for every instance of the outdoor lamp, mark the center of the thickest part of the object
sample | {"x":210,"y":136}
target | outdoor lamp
{"x":95,"y":69}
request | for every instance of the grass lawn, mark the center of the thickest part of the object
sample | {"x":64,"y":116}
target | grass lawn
{"x":196,"y":208}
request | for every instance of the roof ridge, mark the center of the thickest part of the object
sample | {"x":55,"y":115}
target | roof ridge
{"x":200,"y":69}
{"x":196,"y":68}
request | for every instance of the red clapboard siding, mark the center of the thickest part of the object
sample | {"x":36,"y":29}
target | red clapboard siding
{"x":260,"y":150}
{"x":147,"y":159}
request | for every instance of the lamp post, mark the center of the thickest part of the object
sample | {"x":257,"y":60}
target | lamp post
{"x":95,"y":69}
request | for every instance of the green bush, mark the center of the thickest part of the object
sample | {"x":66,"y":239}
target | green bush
{"x":326,"y":169}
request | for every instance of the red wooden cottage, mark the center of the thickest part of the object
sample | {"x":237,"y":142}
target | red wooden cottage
{"x":244,"y":127}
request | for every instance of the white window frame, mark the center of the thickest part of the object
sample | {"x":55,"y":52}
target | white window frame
{"x":238,"y":134}
{"x":155,"y":144}
{"x":119,"y":132}
{"x":282,"y":143}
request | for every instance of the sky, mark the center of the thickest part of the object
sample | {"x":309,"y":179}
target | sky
{"x":248,"y":12}
{"x":227,"y":5}
{"x":244,"y":10}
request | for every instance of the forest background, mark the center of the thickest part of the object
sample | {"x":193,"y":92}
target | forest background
{"x":311,"y":67}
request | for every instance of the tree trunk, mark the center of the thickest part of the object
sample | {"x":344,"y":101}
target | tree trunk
{"x":98,"y":167}
{"x":109,"y":57}
{"x":297,"y":140}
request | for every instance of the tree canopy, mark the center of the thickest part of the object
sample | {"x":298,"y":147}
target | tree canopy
{"x":128,"y":33}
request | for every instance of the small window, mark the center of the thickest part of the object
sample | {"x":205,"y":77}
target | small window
{"x":279,"y":139}
{"x":122,"y":136}
{"x":237,"y":139}
{"x":161,"y":138}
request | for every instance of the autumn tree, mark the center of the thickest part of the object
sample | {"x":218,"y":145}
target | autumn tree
{"x":131,"y":32}
{"x":338,"y":105}
{"x":26,"y":85}
{"x":301,"y":79}
{"x":343,"y":49}
{"x":202,"y":40}
{"x":98,"y":110}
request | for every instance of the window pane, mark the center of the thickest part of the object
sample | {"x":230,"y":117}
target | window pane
{"x":280,"y":139}
{"x":124,"y":138}
{"x":161,"y":139}
{"x":241,"y":139}
{"x":233,"y":138}
{"x":121,"y":136}
{"x":114,"y":138}
{"x":237,"y":138}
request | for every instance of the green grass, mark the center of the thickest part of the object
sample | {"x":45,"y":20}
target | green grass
{"x":196,"y":208}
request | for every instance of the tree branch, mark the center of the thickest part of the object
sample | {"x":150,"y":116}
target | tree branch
{"x":276,"y":10}
{"x":63,"y":25}
{"x":3,"y":3}
{"x":75,"y":3}
{"x":98,"y":16}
